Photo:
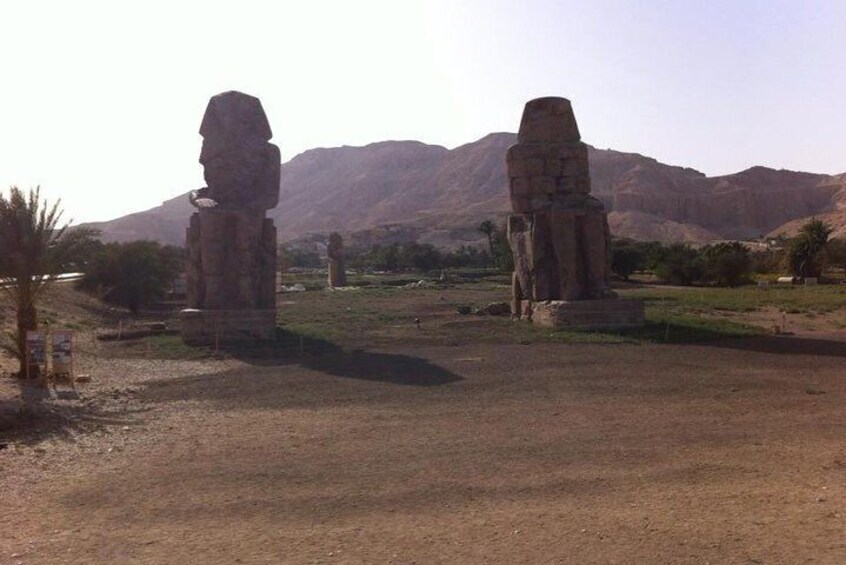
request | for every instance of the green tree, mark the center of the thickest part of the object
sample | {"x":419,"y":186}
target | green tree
{"x":298,"y":257}
{"x":768,"y":261}
{"x":652,"y":253}
{"x":420,"y":257}
{"x":727,"y":264}
{"x":804,"y":252}
{"x":34,"y":250}
{"x":133,"y":274}
{"x":503,"y":258}
{"x":466,"y":256}
{"x":678,"y":264}
{"x":835,"y":252}
{"x":626,"y":258}
{"x":488,"y":228}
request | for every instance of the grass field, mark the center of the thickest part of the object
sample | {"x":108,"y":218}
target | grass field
{"x":380,"y":310}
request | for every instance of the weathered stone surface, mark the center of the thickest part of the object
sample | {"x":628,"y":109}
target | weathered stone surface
{"x":337,"y":267}
{"x":550,"y":260}
{"x":231,"y":266}
{"x":558,"y":233}
{"x":588,"y":314}
{"x":240,"y":166}
{"x":548,"y":120}
{"x":231,"y":260}
{"x":235,"y":114}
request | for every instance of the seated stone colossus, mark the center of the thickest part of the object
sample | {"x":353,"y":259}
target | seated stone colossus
{"x":558,"y":232}
{"x":231,"y":270}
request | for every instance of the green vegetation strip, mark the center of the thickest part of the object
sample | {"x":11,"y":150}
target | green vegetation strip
{"x":790,"y":299}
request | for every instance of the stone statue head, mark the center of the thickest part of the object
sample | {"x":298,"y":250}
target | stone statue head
{"x":335,"y":248}
{"x":548,"y":120}
{"x":241,"y":167}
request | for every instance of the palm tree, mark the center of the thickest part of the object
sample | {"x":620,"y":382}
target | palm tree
{"x":804,"y":252}
{"x":488,"y":228}
{"x":835,"y":251}
{"x":33,"y":251}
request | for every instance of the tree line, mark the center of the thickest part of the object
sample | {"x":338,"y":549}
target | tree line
{"x":806,"y":255}
{"x":724,"y":264}
{"x":414,"y":256}
{"x":36,"y":247}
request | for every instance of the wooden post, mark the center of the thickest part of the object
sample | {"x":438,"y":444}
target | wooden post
{"x":71,"y":376}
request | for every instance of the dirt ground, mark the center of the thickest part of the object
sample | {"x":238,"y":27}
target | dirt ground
{"x":442,"y":451}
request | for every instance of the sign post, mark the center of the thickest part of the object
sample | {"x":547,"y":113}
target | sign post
{"x":36,"y":351}
{"x":63,"y":353}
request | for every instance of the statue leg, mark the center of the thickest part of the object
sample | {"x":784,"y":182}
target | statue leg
{"x":516,"y":297}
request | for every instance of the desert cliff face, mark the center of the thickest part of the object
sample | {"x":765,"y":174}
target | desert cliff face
{"x":743,"y":205}
{"x":440,"y":195}
{"x":834,"y":214}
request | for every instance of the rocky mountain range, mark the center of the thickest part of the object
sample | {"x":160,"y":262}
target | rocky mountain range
{"x":399,"y":190}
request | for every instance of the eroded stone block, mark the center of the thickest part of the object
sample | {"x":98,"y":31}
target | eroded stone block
{"x":558,"y":233}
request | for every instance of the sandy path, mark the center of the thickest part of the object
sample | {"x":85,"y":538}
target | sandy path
{"x":729,"y":453}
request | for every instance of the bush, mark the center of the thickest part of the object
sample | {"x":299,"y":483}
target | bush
{"x":627,"y":257}
{"x":466,"y":256}
{"x":296,"y":257}
{"x":133,"y":274}
{"x":678,"y":264}
{"x":767,"y":262}
{"x":727,"y":264}
{"x":835,"y":253}
{"x":419,"y":257}
{"x":503,"y":258}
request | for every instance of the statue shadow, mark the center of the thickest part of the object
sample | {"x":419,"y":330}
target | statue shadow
{"x":357,"y":376}
{"x":382,"y":367}
{"x":784,"y":345}
{"x":318,"y":354}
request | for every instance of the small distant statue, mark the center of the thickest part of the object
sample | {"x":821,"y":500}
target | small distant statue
{"x":337,"y":268}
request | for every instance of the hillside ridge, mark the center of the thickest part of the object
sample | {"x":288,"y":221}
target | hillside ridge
{"x":440,"y":194}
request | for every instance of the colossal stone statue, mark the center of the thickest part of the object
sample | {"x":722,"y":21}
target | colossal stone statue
{"x":337,"y":268}
{"x":558,"y":232}
{"x":231,"y":270}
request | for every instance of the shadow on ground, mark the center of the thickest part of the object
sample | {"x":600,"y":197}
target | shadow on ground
{"x":381,"y":367}
{"x":326,"y":357}
{"x":785,"y":345}
{"x":263,"y":387}
{"x":680,"y":331}
{"x":41,"y":413}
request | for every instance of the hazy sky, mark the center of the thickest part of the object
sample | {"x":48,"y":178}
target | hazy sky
{"x":101,"y":101}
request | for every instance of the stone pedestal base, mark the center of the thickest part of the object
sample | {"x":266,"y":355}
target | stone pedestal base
{"x":588,"y":314}
{"x":227,"y":326}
